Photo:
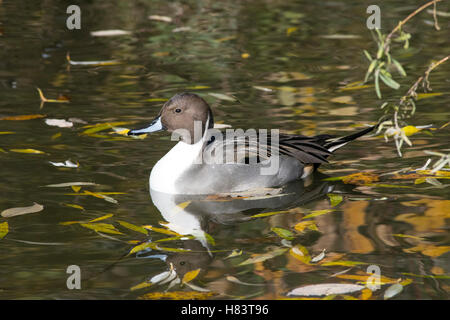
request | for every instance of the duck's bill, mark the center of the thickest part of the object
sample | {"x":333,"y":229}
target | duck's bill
{"x":155,"y":126}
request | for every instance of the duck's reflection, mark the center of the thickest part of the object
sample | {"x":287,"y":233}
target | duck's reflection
{"x":192,"y":215}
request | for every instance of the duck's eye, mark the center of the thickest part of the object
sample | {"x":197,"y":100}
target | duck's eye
{"x":177,"y":110}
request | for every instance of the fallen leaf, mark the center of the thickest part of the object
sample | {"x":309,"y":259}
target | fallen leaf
{"x":61,"y":99}
{"x":319,"y":257}
{"x":109,"y":33}
{"x":325,"y":289}
{"x":23,"y":117}
{"x":366,"y":294}
{"x":222,"y":96}
{"x":66,"y":164}
{"x":266,"y":214}
{"x":191,"y":275}
{"x":316,"y":213}
{"x":335,"y":199}
{"x":101,"y":227}
{"x":12,"y":212}
{"x":59,"y":123}
{"x":308,"y":224}
{"x":86,"y":63}
{"x":392,"y":291}
{"x":32,"y":151}
{"x":74,"y":206}
{"x":70,"y":184}
{"x":4,"y":229}
{"x":161,"y":230}
{"x":300,"y":253}
{"x":283,"y":233}
{"x":133,"y":227}
{"x":245,"y":55}
{"x":177,"y":295}
{"x":343,"y":263}
{"x":343,"y":99}
{"x":106,"y":216}
{"x":160,"y":18}
{"x":263,"y":257}
{"x":234,"y":253}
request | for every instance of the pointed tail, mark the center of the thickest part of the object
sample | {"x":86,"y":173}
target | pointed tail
{"x":335,"y":143}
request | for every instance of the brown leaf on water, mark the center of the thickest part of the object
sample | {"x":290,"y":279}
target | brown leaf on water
{"x":191,"y":275}
{"x":177,"y":295}
{"x":429,"y":250}
{"x":24,"y":117}
{"x":12,"y":212}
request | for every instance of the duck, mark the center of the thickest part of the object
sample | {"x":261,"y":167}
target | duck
{"x":207,"y":160}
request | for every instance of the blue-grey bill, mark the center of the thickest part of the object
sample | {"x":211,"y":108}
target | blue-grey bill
{"x":155,"y":126}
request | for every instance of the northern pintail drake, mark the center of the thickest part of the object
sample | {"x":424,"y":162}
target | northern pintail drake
{"x":209,"y":161}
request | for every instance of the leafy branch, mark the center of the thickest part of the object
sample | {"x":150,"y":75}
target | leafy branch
{"x":405,"y":108}
{"x":383,"y":60}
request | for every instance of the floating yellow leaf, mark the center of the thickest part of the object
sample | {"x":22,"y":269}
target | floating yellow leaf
{"x":103,"y":126}
{"x":177,"y":295}
{"x":133,"y":227}
{"x":234,"y":253}
{"x":75,"y":188}
{"x":429,"y":250}
{"x":106,"y":216}
{"x":291,"y":30}
{"x":266,"y":214}
{"x":56,"y":136}
{"x":33,"y":151}
{"x":245,"y":55}
{"x":12,"y":212}
{"x":101,"y":227}
{"x":156,"y":100}
{"x":141,"y":285}
{"x":226,"y":39}
{"x":76,"y":206}
{"x":363,"y":278}
{"x":91,"y":63}
{"x":23,"y":117}
{"x":316,"y":213}
{"x":191,"y":275}
{"x":161,"y":230}
{"x":61,"y":98}
{"x":4,"y":229}
{"x":421,"y":96}
{"x":343,"y":263}
{"x":300,"y":253}
{"x":309,"y":224}
{"x":365,"y":294}
{"x":343,"y":100}
{"x":263,"y":257}
{"x":283,"y":233}
{"x":335,"y":199}
{"x":6,"y":132}
{"x":101,"y":196}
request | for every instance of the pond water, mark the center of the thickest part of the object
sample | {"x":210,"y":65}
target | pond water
{"x":260,"y":64}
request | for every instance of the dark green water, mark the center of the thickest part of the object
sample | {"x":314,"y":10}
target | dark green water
{"x":232,"y":48}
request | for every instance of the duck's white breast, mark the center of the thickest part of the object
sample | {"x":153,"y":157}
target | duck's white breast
{"x":170,"y":167}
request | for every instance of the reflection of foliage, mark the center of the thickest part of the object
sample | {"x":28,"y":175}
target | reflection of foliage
{"x":379,"y":69}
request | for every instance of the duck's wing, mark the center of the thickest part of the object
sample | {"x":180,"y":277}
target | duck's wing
{"x":254,"y":148}
{"x":315,"y":150}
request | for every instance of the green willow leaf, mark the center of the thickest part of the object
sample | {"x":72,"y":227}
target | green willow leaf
{"x":377,"y":83}
{"x":384,"y":76}
{"x":399,"y":67}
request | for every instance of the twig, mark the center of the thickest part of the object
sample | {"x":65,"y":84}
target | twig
{"x":401,"y":23}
